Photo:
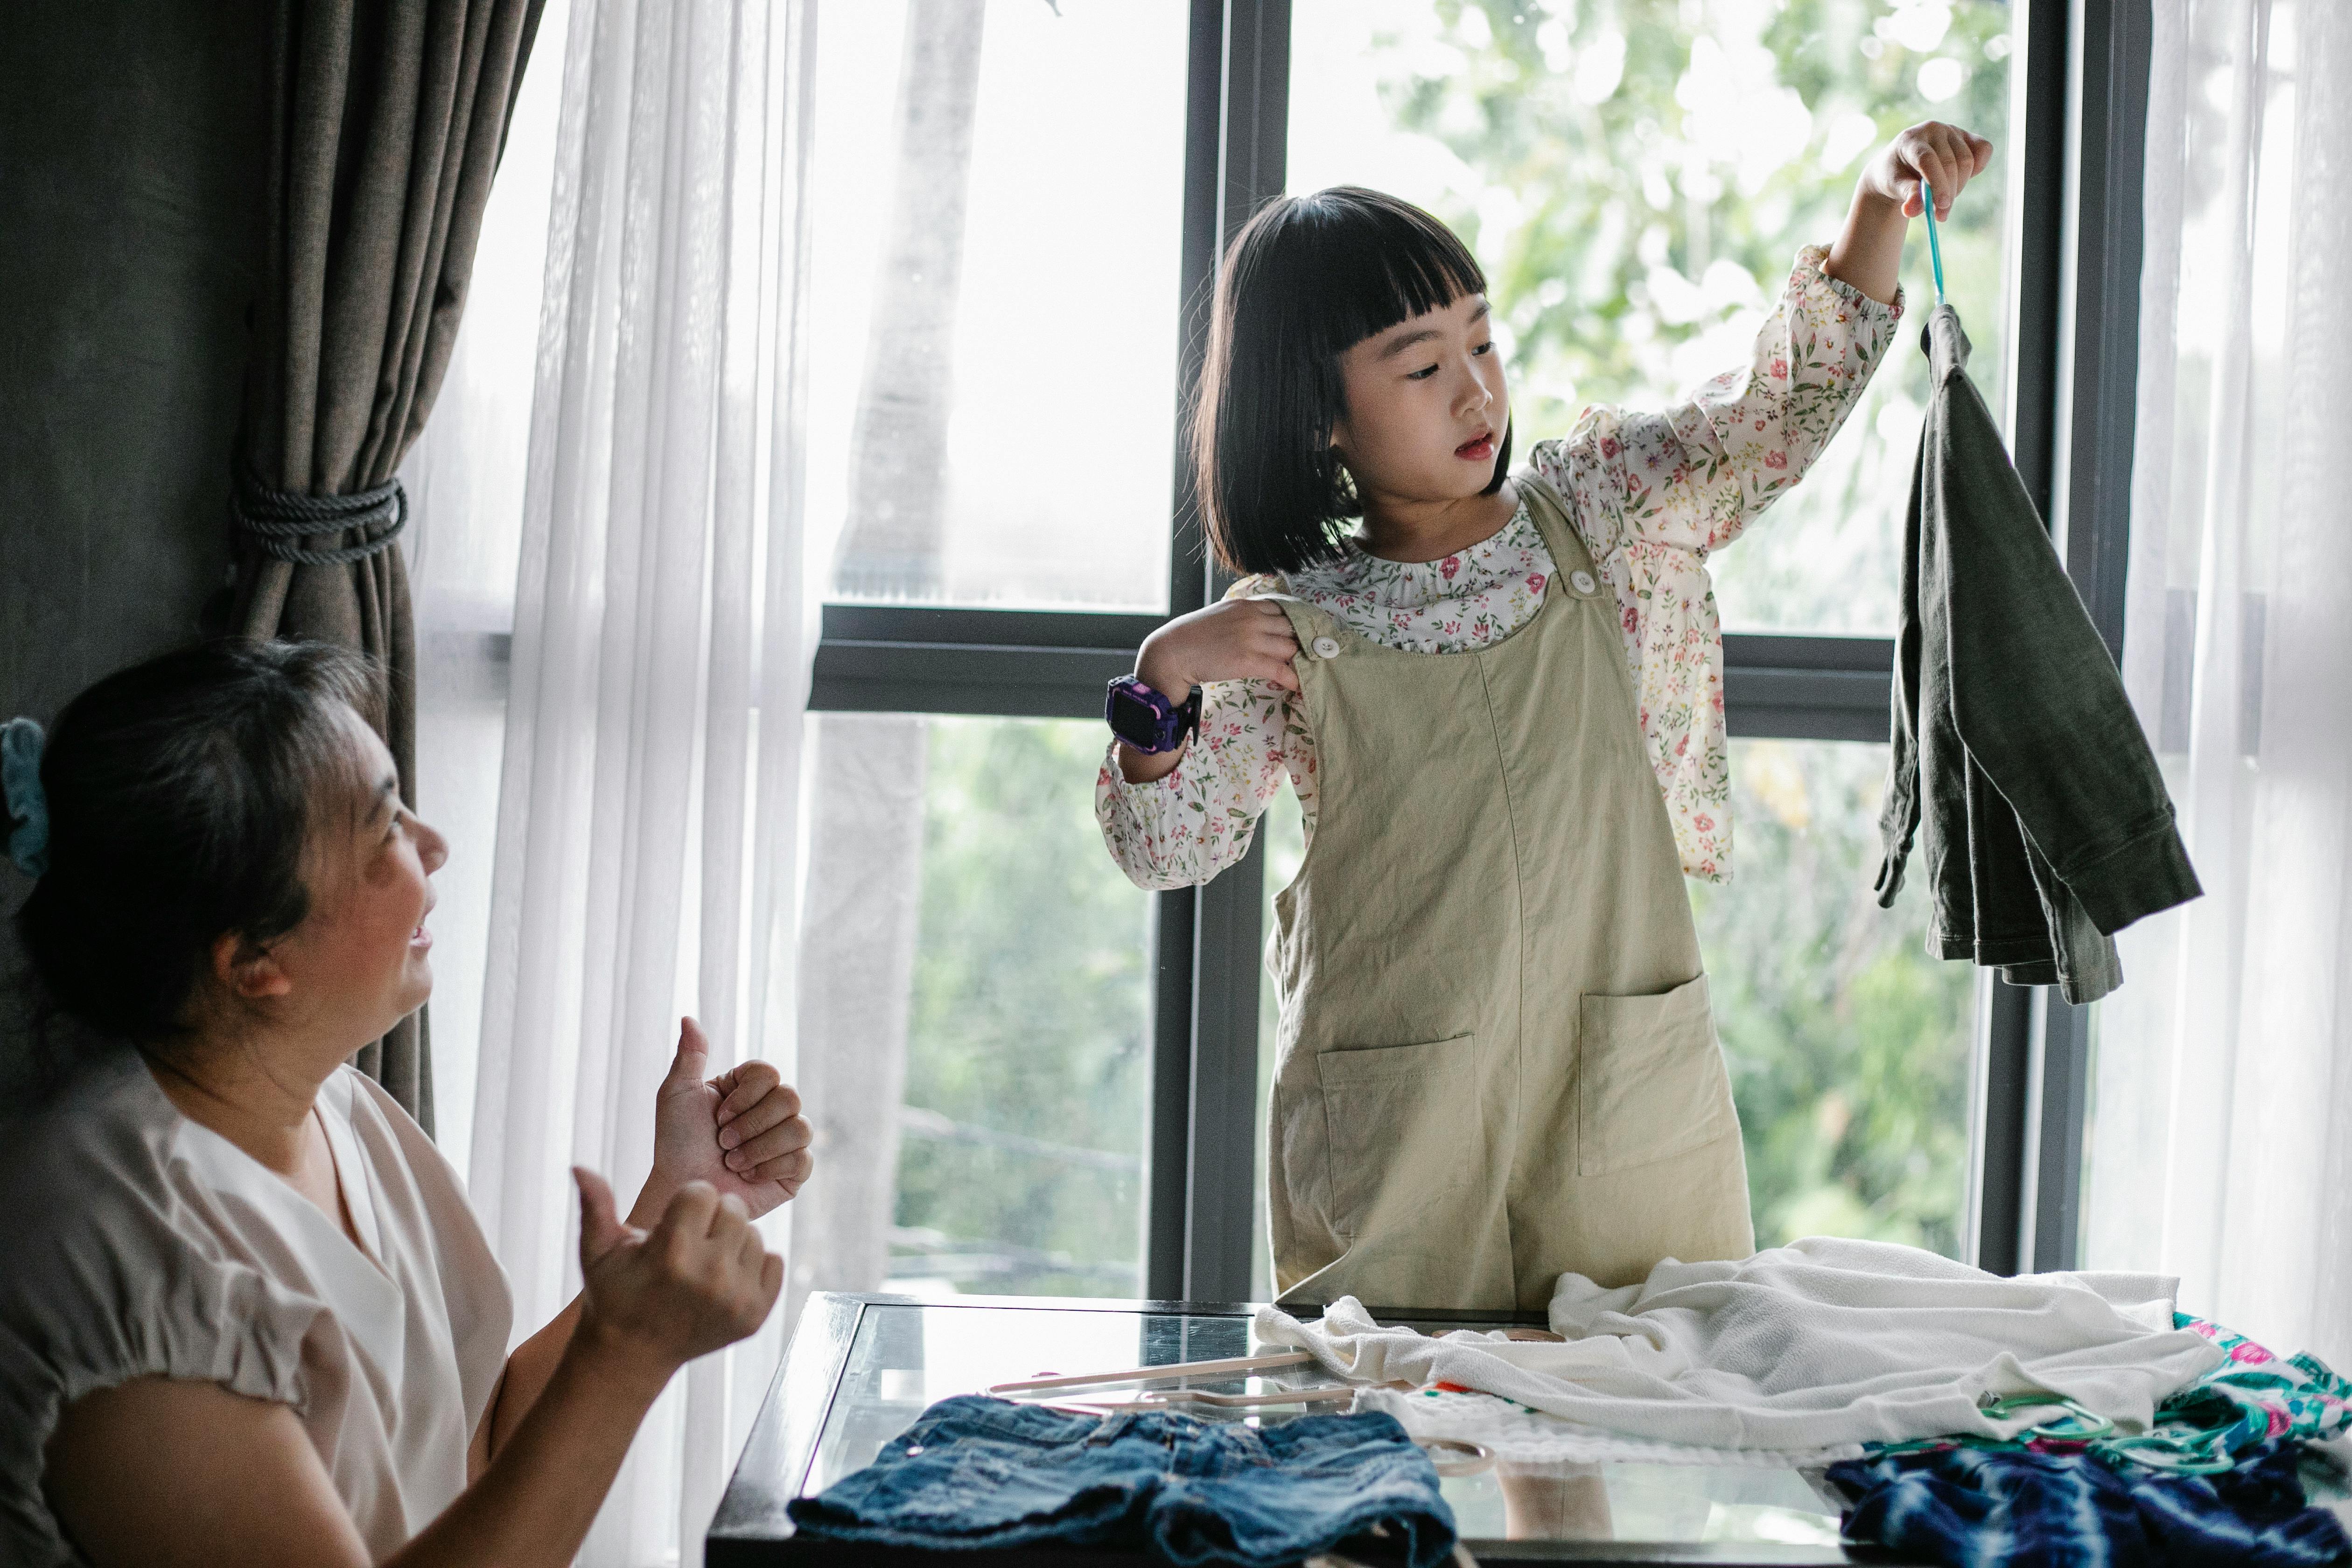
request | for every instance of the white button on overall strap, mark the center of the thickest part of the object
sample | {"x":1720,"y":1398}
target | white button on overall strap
{"x":1327,"y":647}
{"x":1581,"y":581}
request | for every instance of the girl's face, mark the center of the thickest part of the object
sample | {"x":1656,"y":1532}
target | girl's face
{"x":358,"y":962}
{"x":1427,"y":407}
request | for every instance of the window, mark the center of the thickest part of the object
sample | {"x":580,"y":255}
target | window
{"x":1024,"y":1123}
{"x":1848,"y":1045}
{"x":1636,"y":177}
{"x":1636,"y":180}
{"x":1003,"y":291}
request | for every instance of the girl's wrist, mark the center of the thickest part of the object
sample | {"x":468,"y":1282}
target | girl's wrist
{"x":1877,"y":203}
{"x":1871,"y":203}
{"x":1153,"y":669}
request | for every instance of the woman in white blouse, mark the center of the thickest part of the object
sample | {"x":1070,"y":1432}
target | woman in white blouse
{"x":246,"y":1313}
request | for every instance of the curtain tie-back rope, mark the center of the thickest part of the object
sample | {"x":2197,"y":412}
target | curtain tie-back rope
{"x":274,"y":521}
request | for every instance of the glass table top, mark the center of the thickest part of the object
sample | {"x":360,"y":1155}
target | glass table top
{"x":903,"y":1357}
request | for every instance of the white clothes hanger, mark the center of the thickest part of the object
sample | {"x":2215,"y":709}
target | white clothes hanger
{"x":1174,"y":1372}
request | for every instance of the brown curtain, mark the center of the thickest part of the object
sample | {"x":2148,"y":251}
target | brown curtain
{"x":387,"y":123}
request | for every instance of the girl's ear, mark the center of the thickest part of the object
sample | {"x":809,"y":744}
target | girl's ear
{"x":247,"y":970}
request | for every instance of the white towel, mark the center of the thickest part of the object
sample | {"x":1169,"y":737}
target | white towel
{"x":1810,"y":1346}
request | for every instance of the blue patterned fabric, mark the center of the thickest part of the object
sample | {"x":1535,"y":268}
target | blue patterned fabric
{"x":20,"y":790}
{"x":974,"y":1472}
{"x":1973,"y":1507}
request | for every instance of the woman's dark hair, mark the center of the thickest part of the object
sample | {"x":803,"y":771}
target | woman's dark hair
{"x":1307,"y":278}
{"x":181,"y":794}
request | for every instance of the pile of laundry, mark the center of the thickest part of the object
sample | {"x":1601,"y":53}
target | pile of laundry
{"x":1972,"y":1418}
{"x":2218,"y":1478}
{"x":1967,"y":1418}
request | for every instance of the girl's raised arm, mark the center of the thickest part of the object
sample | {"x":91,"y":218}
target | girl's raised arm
{"x":1691,"y":477}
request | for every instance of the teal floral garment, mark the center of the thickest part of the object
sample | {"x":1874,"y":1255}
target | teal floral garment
{"x":2247,"y":1401}
{"x":2253,"y":1398}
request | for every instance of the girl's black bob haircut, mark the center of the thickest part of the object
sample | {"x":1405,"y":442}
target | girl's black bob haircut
{"x":1307,"y":280}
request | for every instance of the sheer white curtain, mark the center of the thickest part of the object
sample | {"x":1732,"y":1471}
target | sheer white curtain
{"x":2221,"y":1139}
{"x":464,"y":481}
{"x":648,"y":828}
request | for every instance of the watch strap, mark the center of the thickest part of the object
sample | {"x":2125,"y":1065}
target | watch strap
{"x":1147,"y":719}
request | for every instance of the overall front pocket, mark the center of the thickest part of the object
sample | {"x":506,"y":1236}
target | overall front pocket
{"x":1402,"y":1126}
{"x":1650,"y":1082}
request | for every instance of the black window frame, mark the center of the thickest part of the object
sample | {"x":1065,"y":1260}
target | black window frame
{"x":2080,"y":84}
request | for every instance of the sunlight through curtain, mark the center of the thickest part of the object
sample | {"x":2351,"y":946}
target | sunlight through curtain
{"x":2221,"y":1145}
{"x":647,"y":844}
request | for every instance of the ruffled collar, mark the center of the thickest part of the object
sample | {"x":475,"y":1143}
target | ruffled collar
{"x":1359,"y":575}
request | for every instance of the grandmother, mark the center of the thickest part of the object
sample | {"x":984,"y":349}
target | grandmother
{"x":246,"y":1313}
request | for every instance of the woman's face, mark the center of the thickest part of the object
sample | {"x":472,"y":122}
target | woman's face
{"x":359,"y":963}
{"x":1427,"y":407}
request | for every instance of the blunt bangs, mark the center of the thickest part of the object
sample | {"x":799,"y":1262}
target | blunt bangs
{"x":1306,"y":279}
{"x":1359,"y":262}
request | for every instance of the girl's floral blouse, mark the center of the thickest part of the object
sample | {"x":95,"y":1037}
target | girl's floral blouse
{"x":1651,"y":493}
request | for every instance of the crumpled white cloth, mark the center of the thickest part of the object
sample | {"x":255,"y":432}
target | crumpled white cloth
{"x":1819,"y":1343}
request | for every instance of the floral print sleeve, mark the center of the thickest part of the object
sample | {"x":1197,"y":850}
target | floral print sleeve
{"x":1183,"y":830}
{"x":1653,"y":493}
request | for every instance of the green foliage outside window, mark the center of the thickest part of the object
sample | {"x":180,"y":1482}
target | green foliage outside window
{"x":1848,"y":1045}
{"x":1636,"y":179}
{"x":1029,"y":1025}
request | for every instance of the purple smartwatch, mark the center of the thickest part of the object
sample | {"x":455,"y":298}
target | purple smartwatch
{"x":1148,"y":721}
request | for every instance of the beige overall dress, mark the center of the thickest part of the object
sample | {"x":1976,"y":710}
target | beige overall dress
{"x":1496,"y":1059}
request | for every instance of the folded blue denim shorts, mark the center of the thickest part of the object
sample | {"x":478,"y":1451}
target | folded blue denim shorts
{"x":974,"y":1472}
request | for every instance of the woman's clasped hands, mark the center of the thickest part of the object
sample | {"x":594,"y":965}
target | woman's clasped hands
{"x":741,"y":1131}
{"x":651,"y":1300}
{"x":688,"y":1272}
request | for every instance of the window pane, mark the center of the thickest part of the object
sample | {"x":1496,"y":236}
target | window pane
{"x":996,"y":288}
{"x":1635,"y":180}
{"x":1023,"y":1119}
{"x":1849,"y":1047}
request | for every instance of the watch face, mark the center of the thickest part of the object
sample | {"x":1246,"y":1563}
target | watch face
{"x":1136,"y":722}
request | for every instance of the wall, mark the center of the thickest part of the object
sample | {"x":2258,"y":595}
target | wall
{"x":133,"y":145}
{"x":133,"y":135}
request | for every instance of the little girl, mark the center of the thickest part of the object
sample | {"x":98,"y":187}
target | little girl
{"x":1501,"y":705}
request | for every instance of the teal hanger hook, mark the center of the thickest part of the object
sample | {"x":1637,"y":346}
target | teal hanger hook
{"x":1935,"y":247}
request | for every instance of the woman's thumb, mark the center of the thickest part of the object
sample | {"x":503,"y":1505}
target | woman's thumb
{"x":601,"y":1229}
{"x":693,"y":1053}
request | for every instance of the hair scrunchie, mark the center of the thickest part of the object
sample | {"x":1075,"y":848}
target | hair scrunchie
{"x":28,"y":807}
